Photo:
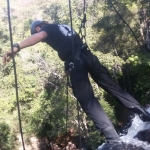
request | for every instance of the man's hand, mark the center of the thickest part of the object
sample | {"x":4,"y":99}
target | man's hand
{"x":9,"y":55}
{"x":32,"y":40}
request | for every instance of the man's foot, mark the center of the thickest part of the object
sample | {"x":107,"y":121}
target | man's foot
{"x":144,"y":115}
{"x":118,"y":145}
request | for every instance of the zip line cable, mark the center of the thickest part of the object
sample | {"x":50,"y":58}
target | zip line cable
{"x":129,"y":28}
{"x":15,"y":74}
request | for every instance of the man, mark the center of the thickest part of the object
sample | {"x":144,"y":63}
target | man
{"x":79,"y":61}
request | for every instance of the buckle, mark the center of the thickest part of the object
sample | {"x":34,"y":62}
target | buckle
{"x":71,"y":66}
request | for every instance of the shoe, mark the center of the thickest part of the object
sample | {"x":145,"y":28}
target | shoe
{"x":143,"y":114}
{"x":112,"y":146}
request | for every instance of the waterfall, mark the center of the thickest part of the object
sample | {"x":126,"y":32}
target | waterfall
{"x":131,"y":139}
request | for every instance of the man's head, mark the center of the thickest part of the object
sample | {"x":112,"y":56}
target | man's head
{"x":36,"y":26}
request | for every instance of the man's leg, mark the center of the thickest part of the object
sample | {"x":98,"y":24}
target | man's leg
{"x":84,"y":93}
{"x":101,"y":76}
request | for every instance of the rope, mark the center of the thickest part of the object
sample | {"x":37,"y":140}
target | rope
{"x":15,"y":74}
{"x":67,"y":111}
{"x":147,"y":39}
{"x":129,"y":28}
{"x":83,"y":24}
{"x":70,"y":13}
{"x":79,"y":125}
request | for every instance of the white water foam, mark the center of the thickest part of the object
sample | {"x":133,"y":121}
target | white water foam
{"x":136,"y":126}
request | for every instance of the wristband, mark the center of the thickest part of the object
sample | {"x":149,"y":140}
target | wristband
{"x":17,"y":45}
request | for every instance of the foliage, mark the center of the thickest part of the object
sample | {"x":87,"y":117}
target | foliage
{"x":140,"y":71}
{"x":7,"y":138}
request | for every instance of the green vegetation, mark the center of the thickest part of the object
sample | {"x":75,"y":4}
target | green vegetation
{"x":41,"y":79}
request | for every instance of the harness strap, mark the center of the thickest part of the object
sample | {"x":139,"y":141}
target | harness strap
{"x":69,"y":64}
{"x":78,"y":51}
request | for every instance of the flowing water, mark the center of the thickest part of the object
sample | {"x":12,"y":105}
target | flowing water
{"x":130,"y":140}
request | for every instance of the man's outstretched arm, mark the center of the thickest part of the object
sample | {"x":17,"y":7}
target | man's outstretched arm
{"x":32,"y":40}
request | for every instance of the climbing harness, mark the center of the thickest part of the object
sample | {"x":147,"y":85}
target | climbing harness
{"x":15,"y":75}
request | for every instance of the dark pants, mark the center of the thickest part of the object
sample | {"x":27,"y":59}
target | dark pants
{"x":84,"y":93}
